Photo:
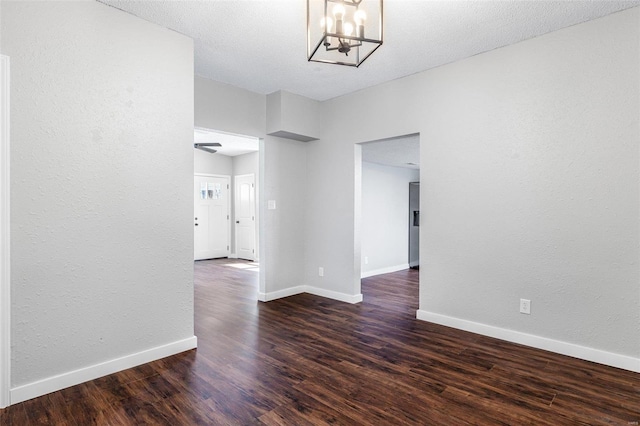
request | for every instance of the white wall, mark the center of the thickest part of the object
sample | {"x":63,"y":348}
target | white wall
{"x":101,"y":205}
{"x":385,"y":217}
{"x":293,"y":116}
{"x":217,"y":164}
{"x":212,"y":164}
{"x":285,"y":183}
{"x":229,"y":109}
{"x":246,"y":164}
{"x":547,"y":194}
{"x":530,"y":187}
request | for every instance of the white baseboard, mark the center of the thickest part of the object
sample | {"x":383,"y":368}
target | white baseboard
{"x":342,"y":297}
{"x":72,"y":378}
{"x":386,"y":270}
{"x":232,"y":256}
{"x":267,"y":297}
{"x":582,"y":352}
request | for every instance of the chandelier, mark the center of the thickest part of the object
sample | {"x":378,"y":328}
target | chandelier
{"x":344,"y":32}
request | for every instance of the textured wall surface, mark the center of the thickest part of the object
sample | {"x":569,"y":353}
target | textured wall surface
{"x":285,"y":182}
{"x":229,"y":109}
{"x":102,"y":172}
{"x":529,"y":183}
{"x":555,"y":217}
{"x":544,"y":203}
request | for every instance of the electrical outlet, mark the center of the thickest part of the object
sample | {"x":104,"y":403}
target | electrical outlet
{"x":366,"y":260}
{"x":321,"y":271}
{"x":525,"y":306}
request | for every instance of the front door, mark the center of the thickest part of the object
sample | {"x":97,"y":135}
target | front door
{"x":211,"y":217}
{"x":245,"y":211}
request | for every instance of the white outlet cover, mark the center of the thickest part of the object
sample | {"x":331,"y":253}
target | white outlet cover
{"x":525,"y":306}
{"x":271,"y":204}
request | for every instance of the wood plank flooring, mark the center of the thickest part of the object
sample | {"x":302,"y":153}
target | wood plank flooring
{"x":306,"y":360}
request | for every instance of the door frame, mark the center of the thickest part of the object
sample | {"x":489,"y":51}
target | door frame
{"x":228,"y":177}
{"x":5,"y":281}
{"x":357,"y":211}
{"x":255,"y":215}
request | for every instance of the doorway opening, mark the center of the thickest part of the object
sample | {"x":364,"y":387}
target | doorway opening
{"x":389,"y":217}
{"x":226,"y":189}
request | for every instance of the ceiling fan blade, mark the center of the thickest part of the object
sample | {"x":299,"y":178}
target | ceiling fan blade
{"x":204,"y":148}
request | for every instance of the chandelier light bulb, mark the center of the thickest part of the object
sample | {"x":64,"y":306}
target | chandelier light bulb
{"x":327,"y":23}
{"x":360,"y":16}
{"x":348,"y":28}
{"x":338,"y":13}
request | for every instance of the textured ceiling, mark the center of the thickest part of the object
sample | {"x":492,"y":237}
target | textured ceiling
{"x":402,"y":151}
{"x":260,"y":45}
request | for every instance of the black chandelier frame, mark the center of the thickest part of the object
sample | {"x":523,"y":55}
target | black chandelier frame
{"x":345,"y":43}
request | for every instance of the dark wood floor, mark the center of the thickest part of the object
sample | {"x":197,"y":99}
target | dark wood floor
{"x":308,"y":360}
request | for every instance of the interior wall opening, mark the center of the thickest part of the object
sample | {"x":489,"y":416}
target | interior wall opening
{"x":388,"y":225}
{"x":226,"y":191}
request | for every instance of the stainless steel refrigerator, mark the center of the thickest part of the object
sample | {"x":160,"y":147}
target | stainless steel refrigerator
{"x":414,"y":225}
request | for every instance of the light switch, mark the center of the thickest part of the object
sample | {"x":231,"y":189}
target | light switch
{"x":271,"y":205}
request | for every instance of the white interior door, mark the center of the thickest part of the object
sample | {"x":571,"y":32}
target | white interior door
{"x":211,"y":217}
{"x":245,"y":212}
